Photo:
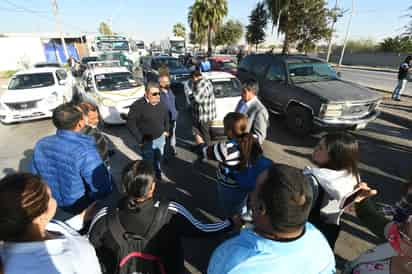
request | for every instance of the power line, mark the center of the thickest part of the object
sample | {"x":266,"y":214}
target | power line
{"x":24,"y":8}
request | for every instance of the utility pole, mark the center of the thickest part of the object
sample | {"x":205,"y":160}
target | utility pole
{"x":58,"y":27}
{"x":335,"y":18}
{"x":347,"y":33}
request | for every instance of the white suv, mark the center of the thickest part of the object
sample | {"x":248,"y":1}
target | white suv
{"x":111,"y":88}
{"x":35,"y":93}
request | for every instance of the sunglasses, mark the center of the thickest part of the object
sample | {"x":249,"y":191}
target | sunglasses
{"x":155,"y":94}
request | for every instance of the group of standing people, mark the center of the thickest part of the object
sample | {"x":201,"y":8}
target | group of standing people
{"x":292,"y":216}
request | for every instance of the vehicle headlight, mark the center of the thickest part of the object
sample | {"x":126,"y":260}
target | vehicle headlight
{"x":108,"y":102}
{"x":52,"y":98}
{"x":331,"y":110}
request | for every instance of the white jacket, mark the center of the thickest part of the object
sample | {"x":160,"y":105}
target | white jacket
{"x":337,"y":184}
{"x":67,"y":254}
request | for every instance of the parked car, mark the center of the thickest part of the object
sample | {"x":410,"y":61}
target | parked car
{"x":35,"y":93}
{"x":223,"y":63}
{"x":226,"y":88}
{"x":111,"y":88}
{"x":309,"y":92}
{"x":178,"y":72}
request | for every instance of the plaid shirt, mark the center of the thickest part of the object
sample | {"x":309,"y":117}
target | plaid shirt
{"x":204,"y":104}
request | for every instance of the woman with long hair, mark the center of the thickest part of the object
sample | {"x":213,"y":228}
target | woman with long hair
{"x":33,"y":242}
{"x":337,"y":175}
{"x":240,"y":160}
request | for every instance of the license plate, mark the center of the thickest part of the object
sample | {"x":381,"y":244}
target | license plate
{"x":361,"y":126}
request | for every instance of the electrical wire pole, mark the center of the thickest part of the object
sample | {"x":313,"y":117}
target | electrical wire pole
{"x":58,"y":27}
{"x":347,"y":33}
{"x":335,"y":18}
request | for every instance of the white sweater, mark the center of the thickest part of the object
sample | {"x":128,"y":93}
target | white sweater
{"x":68,"y":254}
{"x":337,"y":184}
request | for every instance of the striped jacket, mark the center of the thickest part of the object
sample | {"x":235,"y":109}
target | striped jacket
{"x":166,"y":244}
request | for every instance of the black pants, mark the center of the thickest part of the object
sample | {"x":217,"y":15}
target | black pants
{"x":202,"y":128}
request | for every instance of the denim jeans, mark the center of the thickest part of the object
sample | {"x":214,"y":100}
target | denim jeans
{"x":153,"y":151}
{"x":399,"y":89}
{"x":170,"y":147}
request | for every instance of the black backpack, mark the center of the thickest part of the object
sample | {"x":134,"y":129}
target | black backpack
{"x":131,"y":256}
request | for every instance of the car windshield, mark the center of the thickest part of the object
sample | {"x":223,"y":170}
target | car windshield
{"x":229,"y":65}
{"x":226,"y":88}
{"x":115,"y":81}
{"x":113,"y":45}
{"x":169,"y":62}
{"x":311,"y":72}
{"x":35,"y":80}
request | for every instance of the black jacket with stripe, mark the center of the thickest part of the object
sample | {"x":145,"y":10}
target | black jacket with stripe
{"x":166,"y":244}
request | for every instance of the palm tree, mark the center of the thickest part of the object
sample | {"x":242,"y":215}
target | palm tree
{"x":205,"y":16}
{"x":279,"y":13}
{"x":179,"y":30}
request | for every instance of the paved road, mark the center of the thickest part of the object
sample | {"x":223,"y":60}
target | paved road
{"x":376,"y":79}
{"x":385,"y":163}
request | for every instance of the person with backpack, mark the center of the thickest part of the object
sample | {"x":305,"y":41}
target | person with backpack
{"x":240,"y":160}
{"x":142,"y":234}
{"x":336,"y":177}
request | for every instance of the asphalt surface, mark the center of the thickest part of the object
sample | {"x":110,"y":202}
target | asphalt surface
{"x":386,"y":157}
{"x":385,"y":163}
{"x":375,"y":79}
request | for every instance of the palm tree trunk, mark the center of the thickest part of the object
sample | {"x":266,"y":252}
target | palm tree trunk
{"x":209,"y":42}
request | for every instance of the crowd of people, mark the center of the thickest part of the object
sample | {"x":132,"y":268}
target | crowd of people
{"x":280,"y":219}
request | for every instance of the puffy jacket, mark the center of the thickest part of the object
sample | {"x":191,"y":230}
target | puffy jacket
{"x":70,"y":164}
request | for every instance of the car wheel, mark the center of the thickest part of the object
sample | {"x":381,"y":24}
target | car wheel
{"x":299,"y":120}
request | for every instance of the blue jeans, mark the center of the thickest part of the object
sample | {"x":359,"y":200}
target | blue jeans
{"x":153,"y":151}
{"x":399,"y":89}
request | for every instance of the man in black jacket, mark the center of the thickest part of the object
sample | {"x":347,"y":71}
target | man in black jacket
{"x":136,"y":214}
{"x":148,"y":121}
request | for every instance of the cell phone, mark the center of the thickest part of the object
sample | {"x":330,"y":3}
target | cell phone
{"x":349,"y":199}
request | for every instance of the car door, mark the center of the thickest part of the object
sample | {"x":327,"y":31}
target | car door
{"x":273,"y":88}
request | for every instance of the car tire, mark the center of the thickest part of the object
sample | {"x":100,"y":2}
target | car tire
{"x":299,"y":120}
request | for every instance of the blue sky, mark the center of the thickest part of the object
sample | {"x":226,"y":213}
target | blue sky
{"x":152,"y":20}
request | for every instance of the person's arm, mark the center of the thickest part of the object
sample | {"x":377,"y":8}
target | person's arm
{"x":132,"y":121}
{"x":371,"y":218}
{"x":187,"y":225}
{"x":260,"y":125}
{"x":199,"y":91}
{"x":95,"y":174}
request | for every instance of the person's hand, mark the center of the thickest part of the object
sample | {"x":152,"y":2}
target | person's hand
{"x":88,"y":213}
{"x":237,"y":222}
{"x":365,"y":192}
{"x":166,"y":133}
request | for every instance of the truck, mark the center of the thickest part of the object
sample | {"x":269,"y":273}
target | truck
{"x":174,"y":46}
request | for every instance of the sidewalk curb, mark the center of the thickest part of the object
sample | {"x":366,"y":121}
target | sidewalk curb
{"x":365,"y":68}
{"x":395,"y":119}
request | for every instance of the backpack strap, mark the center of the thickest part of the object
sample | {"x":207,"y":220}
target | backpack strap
{"x":158,"y":220}
{"x":115,"y":227}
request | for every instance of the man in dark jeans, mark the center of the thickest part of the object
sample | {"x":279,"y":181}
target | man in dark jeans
{"x":148,"y":121}
{"x":169,"y":100}
{"x":204,"y":107}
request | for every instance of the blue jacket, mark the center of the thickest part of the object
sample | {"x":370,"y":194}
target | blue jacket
{"x":169,"y":100}
{"x":71,"y":166}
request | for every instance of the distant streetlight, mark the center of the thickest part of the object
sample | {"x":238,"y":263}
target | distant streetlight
{"x":347,"y":33}
{"x":58,"y":27}
{"x":335,"y":16}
